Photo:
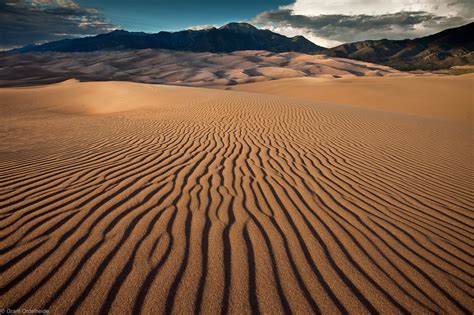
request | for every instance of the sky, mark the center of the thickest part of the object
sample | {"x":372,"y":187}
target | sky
{"x":327,"y":23}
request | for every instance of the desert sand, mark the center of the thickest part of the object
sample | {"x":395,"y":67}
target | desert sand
{"x":124,"y":197}
{"x":177,"y":67}
{"x":437,"y":96}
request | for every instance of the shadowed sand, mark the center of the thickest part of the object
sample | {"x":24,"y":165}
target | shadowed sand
{"x":123,"y":197}
{"x":177,"y":67}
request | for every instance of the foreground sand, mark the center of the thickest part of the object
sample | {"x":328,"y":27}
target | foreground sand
{"x":123,"y":197}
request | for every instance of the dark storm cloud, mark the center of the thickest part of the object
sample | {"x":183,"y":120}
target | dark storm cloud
{"x":25,"y":22}
{"x":465,"y":6}
{"x":347,"y":28}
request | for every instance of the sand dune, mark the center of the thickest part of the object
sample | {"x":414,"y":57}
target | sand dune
{"x":137,"y":198}
{"x":177,"y":67}
{"x":441,"y":97}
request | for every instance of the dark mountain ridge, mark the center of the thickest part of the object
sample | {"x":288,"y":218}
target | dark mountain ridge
{"x":451,"y":47}
{"x":228,"y":38}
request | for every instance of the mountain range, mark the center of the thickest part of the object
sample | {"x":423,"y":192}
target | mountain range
{"x":451,"y":47}
{"x":228,"y":38}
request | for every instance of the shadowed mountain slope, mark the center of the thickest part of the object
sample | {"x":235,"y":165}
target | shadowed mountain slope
{"x":451,"y":47}
{"x":230,"y":37}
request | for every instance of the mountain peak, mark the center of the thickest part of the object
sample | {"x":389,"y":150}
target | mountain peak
{"x":230,"y":37}
{"x":239,"y":27}
{"x":119,"y":31}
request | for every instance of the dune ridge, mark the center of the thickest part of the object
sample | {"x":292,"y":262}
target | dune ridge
{"x":177,"y":67}
{"x":174,"y":199}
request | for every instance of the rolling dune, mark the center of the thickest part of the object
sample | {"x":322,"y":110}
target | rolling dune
{"x":444,"y":97}
{"x":177,"y":67}
{"x":123,"y":197}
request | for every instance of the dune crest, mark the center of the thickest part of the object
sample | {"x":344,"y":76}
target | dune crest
{"x":177,"y":67}
{"x":135,"y":198}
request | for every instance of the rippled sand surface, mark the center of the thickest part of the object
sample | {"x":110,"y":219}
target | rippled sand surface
{"x":122,"y":197}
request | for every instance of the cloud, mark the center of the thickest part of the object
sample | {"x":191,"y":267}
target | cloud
{"x":338,"y":21}
{"x":25,"y":22}
{"x":202,"y":27}
{"x":377,"y":7}
{"x":291,"y":31}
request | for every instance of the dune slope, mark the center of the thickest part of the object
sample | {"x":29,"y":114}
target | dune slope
{"x":177,"y":67}
{"x":155,"y":199}
{"x":441,"y":97}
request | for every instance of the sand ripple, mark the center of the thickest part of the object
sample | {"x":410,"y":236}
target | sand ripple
{"x":214,"y":202}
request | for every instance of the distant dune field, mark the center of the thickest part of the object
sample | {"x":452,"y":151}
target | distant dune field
{"x":135,"y":198}
{"x":177,"y":67}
